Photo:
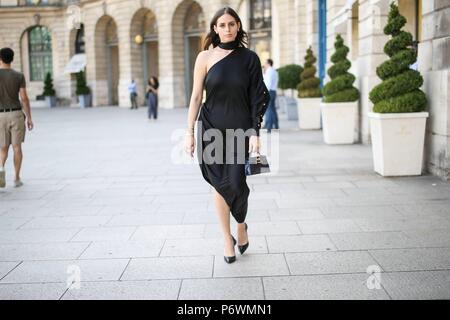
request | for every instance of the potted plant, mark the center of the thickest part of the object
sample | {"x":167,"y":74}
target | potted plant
{"x":340,"y":104}
{"x":49,"y":91}
{"x":288,"y":79}
{"x":309,"y":95}
{"x":83,"y":92}
{"x":397,"y":123}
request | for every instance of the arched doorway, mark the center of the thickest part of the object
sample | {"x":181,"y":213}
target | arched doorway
{"x":107,"y":69}
{"x":194,"y":29}
{"x":189,"y":36}
{"x":77,"y":47}
{"x":144,"y":49}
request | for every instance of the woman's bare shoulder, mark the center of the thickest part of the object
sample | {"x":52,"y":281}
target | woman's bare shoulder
{"x":204,"y":57}
{"x":205,"y":54}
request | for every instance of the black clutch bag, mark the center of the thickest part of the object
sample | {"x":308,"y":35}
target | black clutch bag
{"x":256,"y":165}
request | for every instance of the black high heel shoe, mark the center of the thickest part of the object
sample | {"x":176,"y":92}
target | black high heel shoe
{"x":232,"y":258}
{"x":244,"y":246}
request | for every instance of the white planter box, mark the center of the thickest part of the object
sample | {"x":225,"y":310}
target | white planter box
{"x":85,"y":100}
{"x":309,"y":113}
{"x":338,"y":121}
{"x":397,"y":142}
{"x":282,"y":103}
{"x":291,"y":110}
{"x":50,"y":101}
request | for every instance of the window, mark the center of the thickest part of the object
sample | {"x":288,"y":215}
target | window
{"x":36,"y":2}
{"x":79,"y":41}
{"x":40,"y":51}
{"x":260,"y":14}
{"x":260,"y":32}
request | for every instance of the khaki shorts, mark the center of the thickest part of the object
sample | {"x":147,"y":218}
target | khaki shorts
{"x":12,"y":128}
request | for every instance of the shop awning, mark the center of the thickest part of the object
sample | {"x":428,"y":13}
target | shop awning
{"x":76,"y":63}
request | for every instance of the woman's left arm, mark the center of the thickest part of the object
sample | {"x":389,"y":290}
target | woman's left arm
{"x":259,"y":99}
{"x":258,"y":93}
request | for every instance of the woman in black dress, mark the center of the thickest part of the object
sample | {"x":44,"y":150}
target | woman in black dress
{"x":152,"y":97}
{"x":236,"y":99}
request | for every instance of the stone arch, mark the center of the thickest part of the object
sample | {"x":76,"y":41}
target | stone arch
{"x":107,"y":69}
{"x":188,"y":43}
{"x":144,"y":49}
{"x":34,"y":88}
{"x":72,"y":37}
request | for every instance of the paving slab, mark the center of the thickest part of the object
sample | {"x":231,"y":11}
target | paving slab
{"x":169,"y":268}
{"x":222,"y":289}
{"x":125,"y":290}
{"x":66,"y":271}
{"x":248,"y":265}
{"x":329,"y":287}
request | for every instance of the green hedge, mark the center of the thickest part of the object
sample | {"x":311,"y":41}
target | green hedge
{"x":289,"y":76}
{"x":309,"y":86}
{"x":340,"y":88}
{"x":400,"y":90}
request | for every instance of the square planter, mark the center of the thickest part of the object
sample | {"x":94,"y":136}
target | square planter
{"x":291,"y":109}
{"x":309,"y":113}
{"x":338,"y":121}
{"x":85,"y":100}
{"x":282,"y":103}
{"x":398,"y":142}
{"x":50,"y":101}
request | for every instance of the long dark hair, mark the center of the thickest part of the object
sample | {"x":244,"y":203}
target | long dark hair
{"x":214,"y":39}
{"x":155,"y":79}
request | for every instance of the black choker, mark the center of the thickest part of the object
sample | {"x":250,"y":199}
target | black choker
{"x":229,"y":45}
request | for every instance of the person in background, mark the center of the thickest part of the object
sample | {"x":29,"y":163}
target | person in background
{"x":415,"y":47}
{"x":271,"y":82}
{"x":133,"y":94}
{"x":12,"y":115}
{"x":152,"y":97}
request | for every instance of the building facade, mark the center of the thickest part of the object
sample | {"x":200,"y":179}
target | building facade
{"x":120,"y":40}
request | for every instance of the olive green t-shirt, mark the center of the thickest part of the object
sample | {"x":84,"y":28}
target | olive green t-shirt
{"x":10,"y":83}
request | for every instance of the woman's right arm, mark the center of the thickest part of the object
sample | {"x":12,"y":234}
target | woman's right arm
{"x":197,"y":88}
{"x":196,"y":100}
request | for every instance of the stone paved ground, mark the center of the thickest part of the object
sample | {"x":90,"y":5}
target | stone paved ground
{"x":103,"y":202}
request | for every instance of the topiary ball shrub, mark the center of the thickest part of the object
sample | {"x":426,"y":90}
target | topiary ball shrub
{"x":400,"y":90}
{"x":289,"y":76}
{"x":340,"y":87}
{"x":309,"y":86}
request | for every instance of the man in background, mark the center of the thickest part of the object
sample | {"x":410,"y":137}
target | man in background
{"x":271,"y":82}
{"x":133,"y":94}
{"x":12,"y":115}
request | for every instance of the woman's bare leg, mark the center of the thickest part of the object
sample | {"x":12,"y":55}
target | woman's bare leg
{"x":241,"y":234}
{"x":223,"y":212}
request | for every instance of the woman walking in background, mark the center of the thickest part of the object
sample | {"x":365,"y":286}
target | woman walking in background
{"x":236,"y":99}
{"x":152,"y":97}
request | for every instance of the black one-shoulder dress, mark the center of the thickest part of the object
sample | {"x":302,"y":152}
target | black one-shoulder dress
{"x":236,"y":98}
